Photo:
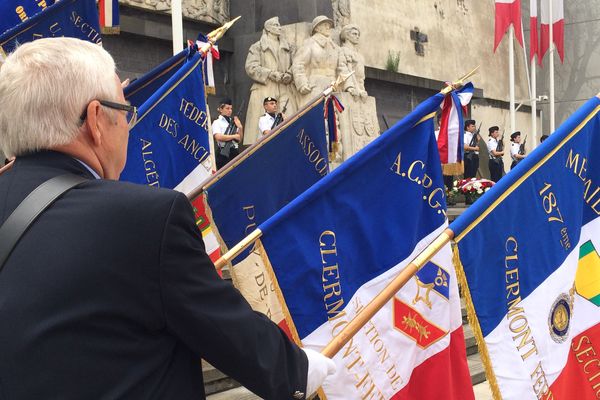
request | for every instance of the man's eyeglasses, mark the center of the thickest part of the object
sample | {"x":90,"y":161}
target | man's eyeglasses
{"x":131,"y":111}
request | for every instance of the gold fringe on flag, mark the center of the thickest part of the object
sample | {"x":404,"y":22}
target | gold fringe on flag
{"x":474,"y":322}
{"x":110,"y":30}
{"x":210,"y":90}
{"x":453,"y":168}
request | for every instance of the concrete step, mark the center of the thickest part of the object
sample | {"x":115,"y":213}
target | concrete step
{"x":215,"y":381}
{"x":476,"y":368}
{"x":240,"y":393}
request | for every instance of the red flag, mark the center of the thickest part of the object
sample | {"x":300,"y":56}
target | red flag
{"x":533,"y":32}
{"x":507,"y":12}
{"x":558,"y":27}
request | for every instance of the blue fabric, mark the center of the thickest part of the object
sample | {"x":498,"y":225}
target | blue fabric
{"x":72,"y":18}
{"x":375,"y":204}
{"x":170,"y":138}
{"x":141,"y":89}
{"x":15,"y":12}
{"x":522,"y":215}
{"x":271,"y":177}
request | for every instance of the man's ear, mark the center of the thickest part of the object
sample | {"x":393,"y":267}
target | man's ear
{"x":93,"y":122}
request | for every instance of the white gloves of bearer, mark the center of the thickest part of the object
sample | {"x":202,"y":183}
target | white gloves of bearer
{"x":319,"y":368}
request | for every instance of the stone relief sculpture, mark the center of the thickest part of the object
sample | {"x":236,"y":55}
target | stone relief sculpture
{"x":318,"y":62}
{"x":269,"y":64}
{"x":358,"y":124}
{"x":355,"y":62}
{"x":341,"y":12}
{"x":213,"y":11}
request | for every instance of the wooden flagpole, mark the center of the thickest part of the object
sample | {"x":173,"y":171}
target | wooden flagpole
{"x":369,"y":311}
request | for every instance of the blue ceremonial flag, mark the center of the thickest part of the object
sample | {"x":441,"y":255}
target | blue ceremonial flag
{"x":338,"y":244}
{"x":16,"y":11}
{"x":269,"y":175}
{"x":72,"y":18}
{"x":141,"y":89}
{"x":169,"y":145}
{"x":529,"y":251}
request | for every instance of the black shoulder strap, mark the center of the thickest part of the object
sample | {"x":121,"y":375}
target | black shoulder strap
{"x":34,"y":204}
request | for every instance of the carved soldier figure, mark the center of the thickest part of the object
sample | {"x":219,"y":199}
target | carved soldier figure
{"x":268,"y":64}
{"x":355,"y":62}
{"x":318,"y":62}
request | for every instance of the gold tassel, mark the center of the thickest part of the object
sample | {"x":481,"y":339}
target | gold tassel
{"x":110,"y":30}
{"x":453,"y":168}
{"x":210,"y":90}
{"x":474,"y":322}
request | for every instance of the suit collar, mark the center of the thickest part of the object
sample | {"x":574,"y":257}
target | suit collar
{"x":48,"y":159}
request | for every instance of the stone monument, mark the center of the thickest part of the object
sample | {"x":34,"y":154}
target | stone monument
{"x":211,"y":11}
{"x":269,"y":64}
{"x":318,"y":62}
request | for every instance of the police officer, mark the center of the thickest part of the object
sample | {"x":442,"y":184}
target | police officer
{"x":495,"y":151}
{"x":515,"y":149}
{"x":228,"y":132}
{"x":471,"y":152}
{"x":265,"y":123}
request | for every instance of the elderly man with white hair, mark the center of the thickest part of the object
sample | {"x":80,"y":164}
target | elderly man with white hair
{"x":109,"y":292}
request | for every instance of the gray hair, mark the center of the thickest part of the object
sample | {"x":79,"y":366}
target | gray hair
{"x":45,"y":86}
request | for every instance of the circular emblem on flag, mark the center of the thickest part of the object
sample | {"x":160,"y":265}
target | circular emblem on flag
{"x":559,"y":319}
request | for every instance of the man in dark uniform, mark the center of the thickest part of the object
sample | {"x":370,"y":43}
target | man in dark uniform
{"x":109,"y":294}
{"x":495,"y":151}
{"x":471,"y":141}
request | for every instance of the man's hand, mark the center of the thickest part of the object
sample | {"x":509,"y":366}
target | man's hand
{"x":319,"y":368}
{"x":287,"y":78}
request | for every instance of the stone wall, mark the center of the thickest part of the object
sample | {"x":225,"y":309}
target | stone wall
{"x":459,"y":36}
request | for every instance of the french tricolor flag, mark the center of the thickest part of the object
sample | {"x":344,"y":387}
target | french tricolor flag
{"x":109,"y":16}
{"x":533,"y":32}
{"x":507,"y":12}
{"x":558,"y":27}
{"x":450,"y":138}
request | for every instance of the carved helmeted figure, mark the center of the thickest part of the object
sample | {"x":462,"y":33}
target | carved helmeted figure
{"x":355,"y":62}
{"x":268,"y":64}
{"x":318,"y":62}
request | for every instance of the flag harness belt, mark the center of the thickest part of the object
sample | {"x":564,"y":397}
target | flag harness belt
{"x":30,"y":208}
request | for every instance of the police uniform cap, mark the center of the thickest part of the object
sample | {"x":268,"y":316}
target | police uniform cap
{"x":226,"y":100}
{"x":493,"y":128}
{"x":267,"y":99}
{"x":514,"y":135}
{"x":469,"y":122}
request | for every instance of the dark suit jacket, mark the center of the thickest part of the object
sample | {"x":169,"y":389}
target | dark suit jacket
{"x":110,"y":295}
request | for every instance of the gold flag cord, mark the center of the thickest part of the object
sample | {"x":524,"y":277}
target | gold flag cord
{"x":352,"y":328}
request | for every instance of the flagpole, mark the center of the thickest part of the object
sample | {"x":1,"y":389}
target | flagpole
{"x":534,"y":104}
{"x":177,"y":26}
{"x":369,"y":311}
{"x":511,"y":76}
{"x":551,"y":70}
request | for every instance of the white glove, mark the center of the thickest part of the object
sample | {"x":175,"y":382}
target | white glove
{"x":319,"y":368}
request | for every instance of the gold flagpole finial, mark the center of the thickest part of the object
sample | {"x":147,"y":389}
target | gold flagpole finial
{"x":217,"y":34}
{"x":457,"y":84}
